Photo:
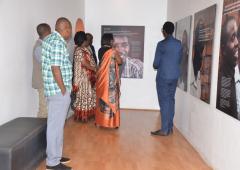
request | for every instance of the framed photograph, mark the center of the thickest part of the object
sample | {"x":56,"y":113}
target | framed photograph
{"x":201,"y":67}
{"x":129,"y":42}
{"x":228,"y":91}
{"x":183,"y":32}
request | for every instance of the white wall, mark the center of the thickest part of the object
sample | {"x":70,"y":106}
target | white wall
{"x":213,"y":133}
{"x":18,"y":34}
{"x":140,"y":93}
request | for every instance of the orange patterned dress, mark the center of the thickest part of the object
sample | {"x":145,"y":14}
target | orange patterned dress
{"x":108,"y":92}
{"x":84,"y":85}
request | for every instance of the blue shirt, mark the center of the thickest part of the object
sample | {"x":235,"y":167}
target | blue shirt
{"x":168,"y":58}
{"x":38,"y":51}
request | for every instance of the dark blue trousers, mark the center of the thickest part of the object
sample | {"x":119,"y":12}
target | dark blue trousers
{"x":166,"y":90}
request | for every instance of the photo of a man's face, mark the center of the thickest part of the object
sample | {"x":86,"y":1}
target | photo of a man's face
{"x":183,"y":32}
{"x":228,"y":93}
{"x":121,"y":44}
{"x":129,"y":43}
{"x":231,"y":48}
{"x":202,"y":53}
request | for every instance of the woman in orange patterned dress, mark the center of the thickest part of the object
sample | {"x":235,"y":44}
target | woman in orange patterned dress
{"x":83,"y":80}
{"x":108,"y":85}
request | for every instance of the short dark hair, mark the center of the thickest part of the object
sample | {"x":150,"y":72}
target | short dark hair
{"x":89,"y":38}
{"x":106,"y":39}
{"x":79,"y":38}
{"x":89,"y":35}
{"x":42,"y":29}
{"x":60,"y":21}
{"x":168,"y":27}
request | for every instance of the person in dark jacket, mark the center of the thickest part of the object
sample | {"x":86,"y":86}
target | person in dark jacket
{"x":91,"y":47}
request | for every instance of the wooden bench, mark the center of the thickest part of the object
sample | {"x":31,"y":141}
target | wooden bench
{"x":22,"y":143}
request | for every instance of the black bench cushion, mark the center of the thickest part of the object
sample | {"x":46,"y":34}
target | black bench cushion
{"x":22,"y":143}
{"x":18,"y":129}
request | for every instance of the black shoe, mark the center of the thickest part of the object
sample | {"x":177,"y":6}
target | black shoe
{"x":159,"y":133}
{"x":64,"y":160}
{"x":58,"y":167}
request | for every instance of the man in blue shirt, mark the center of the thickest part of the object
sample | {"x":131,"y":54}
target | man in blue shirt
{"x":167,"y":62}
{"x":43,"y":31}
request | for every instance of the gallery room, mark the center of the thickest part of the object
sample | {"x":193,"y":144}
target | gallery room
{"x":83,"y":83}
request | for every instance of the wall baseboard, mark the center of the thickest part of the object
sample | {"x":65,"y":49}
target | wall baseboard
{"x":152,"y":110}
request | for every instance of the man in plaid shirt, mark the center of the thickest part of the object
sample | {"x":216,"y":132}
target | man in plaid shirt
{"x":57,"y":77}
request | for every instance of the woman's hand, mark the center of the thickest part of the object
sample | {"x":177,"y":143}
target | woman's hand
{"x":75,"y":88}
{"x":117,"y":57}
{"x":87,"y":65}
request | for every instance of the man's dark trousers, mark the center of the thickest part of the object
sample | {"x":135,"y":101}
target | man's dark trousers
{"x":166,"y":89}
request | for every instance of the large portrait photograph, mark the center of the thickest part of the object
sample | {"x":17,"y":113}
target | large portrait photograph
{"x":228,"y":91}
{"x":182,"y":33}
{"x":129,"y":42}
{"x":201,"y":67}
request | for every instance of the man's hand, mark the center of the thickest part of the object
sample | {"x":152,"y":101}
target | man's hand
{"x":58,"y":78}
{"x":63,"y":91}
{"x":117,"y":57}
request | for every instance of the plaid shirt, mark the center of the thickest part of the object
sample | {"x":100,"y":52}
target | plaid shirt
{"x":54,"y":53}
